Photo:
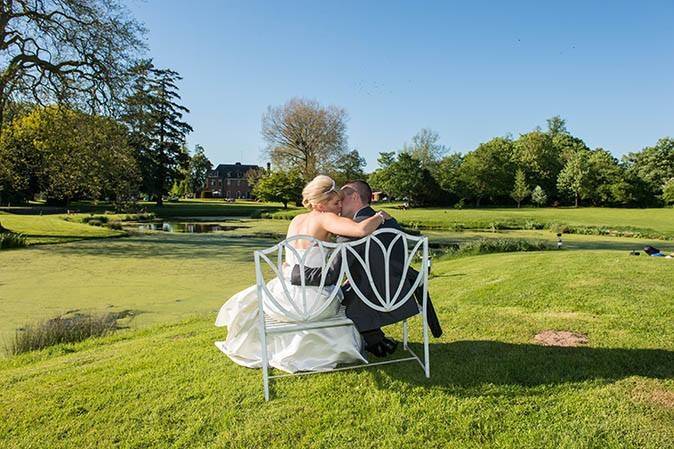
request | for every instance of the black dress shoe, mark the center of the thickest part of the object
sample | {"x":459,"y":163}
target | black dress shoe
{"x":378,"y":349}
{"x":390,"y":345}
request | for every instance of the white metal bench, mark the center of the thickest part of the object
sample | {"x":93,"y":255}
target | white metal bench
{"x":301,"y":316}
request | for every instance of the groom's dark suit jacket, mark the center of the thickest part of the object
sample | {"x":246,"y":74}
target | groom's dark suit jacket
{"x":365,"y":318}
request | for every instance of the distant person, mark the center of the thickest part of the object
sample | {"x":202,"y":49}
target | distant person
{"x":654,"y":252}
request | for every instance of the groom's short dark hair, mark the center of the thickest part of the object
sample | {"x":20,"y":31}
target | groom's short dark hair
{"x":362,"y":188}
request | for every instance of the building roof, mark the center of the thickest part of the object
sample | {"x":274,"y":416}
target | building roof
{"x":222,"y":169}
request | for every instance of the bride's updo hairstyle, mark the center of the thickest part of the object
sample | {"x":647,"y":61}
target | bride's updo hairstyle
{"x":319,"y":190}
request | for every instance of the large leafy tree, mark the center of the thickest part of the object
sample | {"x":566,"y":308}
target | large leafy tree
{"x":425,"y":147}
{"x":198,"y":169}
{"x":75,"y":51}
{"x":279,"y":185}
{"x":349,"y":166}
{"x":487,"y":172}
{"x":66,"y":154}
{"x":306,"y":136}
{"x":157,"y":130}
{"x":603,"y":173}
{"x":407,"y":178}
{"x":449,"y":175}
{"x":540,"y":159}
{"x":653,"y":165}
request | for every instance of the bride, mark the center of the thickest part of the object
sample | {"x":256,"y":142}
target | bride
{"x":306,"y":350}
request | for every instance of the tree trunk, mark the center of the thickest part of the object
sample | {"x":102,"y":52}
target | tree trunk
{"x":576,"y":199}
{"x":477,"y":202}
{"x":518,"y":204}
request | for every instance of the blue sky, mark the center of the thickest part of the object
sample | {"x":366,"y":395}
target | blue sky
{"x":468,"y":70}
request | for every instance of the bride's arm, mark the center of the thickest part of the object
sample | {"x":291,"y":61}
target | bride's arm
{"x":346,"y":227}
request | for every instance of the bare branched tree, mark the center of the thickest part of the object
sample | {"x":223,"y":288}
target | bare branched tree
{"x":304,"y":135}
{"x":66,"y":51}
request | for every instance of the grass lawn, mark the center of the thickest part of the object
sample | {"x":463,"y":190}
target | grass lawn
{"x":41,"y":229}
{"x":655,"y":220}
{"x":162,"y":383}
{"x":168,"y":386}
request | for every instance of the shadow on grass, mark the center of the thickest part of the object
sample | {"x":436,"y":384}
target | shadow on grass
{"x":467,"y":367}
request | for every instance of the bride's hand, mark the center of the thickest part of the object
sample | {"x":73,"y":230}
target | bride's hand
{"x":384,"y":215}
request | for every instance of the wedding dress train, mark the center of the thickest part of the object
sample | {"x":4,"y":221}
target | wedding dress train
{"x":306,"y":350}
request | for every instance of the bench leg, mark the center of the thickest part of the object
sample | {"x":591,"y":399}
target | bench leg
{"x":405,"y":334}
{"x":265,"y":372}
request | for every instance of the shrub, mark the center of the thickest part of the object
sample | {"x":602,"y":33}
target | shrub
{"x":97,"y":219}
{"x":12,"y":240}
{"x":533,"y":225}
{"x":489,"y":246}
{"x":116,"y":225}
{"x":61,"y":330}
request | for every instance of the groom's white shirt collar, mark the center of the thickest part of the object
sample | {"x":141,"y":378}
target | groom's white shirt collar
{"x":358,"y":211}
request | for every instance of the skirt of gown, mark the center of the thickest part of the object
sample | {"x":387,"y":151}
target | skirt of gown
{"x":306,"y":350}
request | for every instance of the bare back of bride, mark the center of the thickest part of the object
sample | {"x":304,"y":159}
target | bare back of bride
{"x":306,"y":350}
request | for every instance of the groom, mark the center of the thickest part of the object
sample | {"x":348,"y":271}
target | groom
{"x":356,"y":204}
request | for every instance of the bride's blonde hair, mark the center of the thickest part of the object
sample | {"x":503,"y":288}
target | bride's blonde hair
{"x":319,"y":190}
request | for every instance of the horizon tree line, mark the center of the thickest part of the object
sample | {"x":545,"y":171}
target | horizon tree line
{"x":544,"y":167}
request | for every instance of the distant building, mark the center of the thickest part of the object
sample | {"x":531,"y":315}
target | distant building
{"x":229,"y":181}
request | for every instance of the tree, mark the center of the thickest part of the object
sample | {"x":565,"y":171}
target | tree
{"x":303,"y":135}
{"x":521,"y":190}
{"x":556,"y":125}
{"x":449,"y":175}
{"x":487,"y":172}
{"x":541,"y":161}
{"x":603,"y":172}
{"x":406,"y":178}
{"x":66,"y":51}
{"x":66,"y":154}
{"x":156,"y":126}
{"x":281,"y":186}
{"x":653,"y":166}
{"x":668,"y":192}
{"x":349,"y":166}
{"x":574,"y":177}
{"x":426,"y":149}
{"x":198,"y":169}
{"x":386,"y":158}
{"x":539,"y":197}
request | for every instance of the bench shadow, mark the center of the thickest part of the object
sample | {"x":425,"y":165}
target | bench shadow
{"x":465,"y":367}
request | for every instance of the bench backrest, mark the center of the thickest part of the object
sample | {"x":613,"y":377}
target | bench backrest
{"x":354,"y":261}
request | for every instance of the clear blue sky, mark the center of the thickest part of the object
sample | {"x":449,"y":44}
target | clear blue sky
{"x":468,"y":70}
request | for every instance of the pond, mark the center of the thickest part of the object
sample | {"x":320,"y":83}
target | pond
{"x":190,"y":227}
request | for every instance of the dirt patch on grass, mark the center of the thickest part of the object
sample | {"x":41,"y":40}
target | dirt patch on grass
{"x":561,"y":338}
{"x":652,"y":393}
{"x":663,"y":397}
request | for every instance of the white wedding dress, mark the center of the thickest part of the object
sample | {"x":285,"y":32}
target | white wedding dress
{"x":306,"y":350}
